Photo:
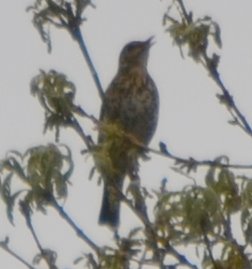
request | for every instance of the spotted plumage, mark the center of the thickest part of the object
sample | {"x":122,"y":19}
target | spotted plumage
{"x":131,"y":103}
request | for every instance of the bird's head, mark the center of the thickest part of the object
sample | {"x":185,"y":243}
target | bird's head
{"x":135,"y":53}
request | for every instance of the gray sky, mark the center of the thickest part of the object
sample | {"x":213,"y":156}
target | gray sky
{"x":192,"y":122}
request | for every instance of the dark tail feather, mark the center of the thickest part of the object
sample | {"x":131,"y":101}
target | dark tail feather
{"x":110,"y":209}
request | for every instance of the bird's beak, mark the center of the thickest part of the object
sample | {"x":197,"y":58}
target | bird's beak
{"x":150,"y":41}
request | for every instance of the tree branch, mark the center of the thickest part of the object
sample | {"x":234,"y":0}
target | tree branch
{"x":228,"y":98}
{"x":189,"y":163}
{"x":181,"y":258}
{"x":47,"y":255}
{"x":4,"y":246}
{"x":78,"y":231}
{"x":233,"y":109}
{"x":73,"y":27}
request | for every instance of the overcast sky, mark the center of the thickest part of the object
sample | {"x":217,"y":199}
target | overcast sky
{"x":192,"y":122}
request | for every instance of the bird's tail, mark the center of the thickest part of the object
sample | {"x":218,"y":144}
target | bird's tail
{"x":110,"y":209}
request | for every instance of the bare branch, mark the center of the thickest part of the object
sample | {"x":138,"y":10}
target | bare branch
{"x":78,"y":231}
{"x":4,"y":246}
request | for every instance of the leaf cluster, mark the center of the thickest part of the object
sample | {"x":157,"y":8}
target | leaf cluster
{"x":60,"y":13}
{"x":56,"y":95}
{"x":204,"y":216}
{"x":123,"y":255}
{"x":195,"y":33}
{"x":44,"y":172}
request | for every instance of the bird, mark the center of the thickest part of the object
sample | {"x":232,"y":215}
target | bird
{"x":129,"y":112}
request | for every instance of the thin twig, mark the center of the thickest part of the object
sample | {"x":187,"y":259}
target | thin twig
{"x":4,"y":246}
{"x":44,"y":254}
{"x":84,"y":50}
{"x":239,"y":118}
{"x":74,"y":28}
{"x":78,"y":231}
{"x":142,"y":215}
{"x":141,"y":262}
{"x":216,"y":77}
{"x":152,"y":236}
{"x":181,"y":258}
{"x":185,"y":14}
{"x":76,"y":126}
{"x":209,"y":250}
{"x":189,"y":163}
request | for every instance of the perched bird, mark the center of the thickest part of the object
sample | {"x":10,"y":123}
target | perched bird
{"x":129,"y":112}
